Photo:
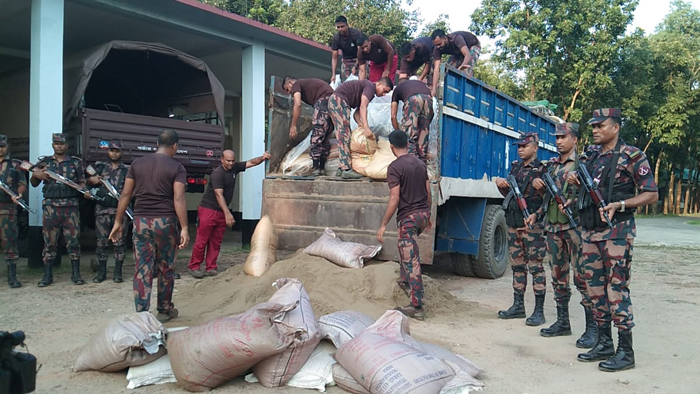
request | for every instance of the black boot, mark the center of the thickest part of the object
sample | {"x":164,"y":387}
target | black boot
{"x":118,"y":272}
{"x":48,"y":275}
{"x":101,"y":272}
{"x":75,"y":275}
{"x":624,"y":356}
{"x":517,"y":310}
{"x":317,"y":168}
{"x":12,"y":275}
{"x":603,"y":348}
{"x":537,"y":317}
{"x":562,"y":326}
{"x":590,"y":336}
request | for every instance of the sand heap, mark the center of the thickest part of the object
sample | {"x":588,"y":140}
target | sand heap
{"x":371,"y":290}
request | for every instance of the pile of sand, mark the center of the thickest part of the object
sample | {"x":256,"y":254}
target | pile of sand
{"x":371,"y":290}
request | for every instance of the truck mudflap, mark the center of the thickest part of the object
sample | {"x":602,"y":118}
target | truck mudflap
{"x":302,"y":209}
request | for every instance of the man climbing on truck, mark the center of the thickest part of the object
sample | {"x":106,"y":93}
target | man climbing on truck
{"x":417,"y":115}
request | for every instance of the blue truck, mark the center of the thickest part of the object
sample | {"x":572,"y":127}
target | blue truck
{"x":476,"y":128}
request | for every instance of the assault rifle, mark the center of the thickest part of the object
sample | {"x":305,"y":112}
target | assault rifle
{"x":111,"y":190}
{"x":558,"y":196}
{"x":4,"y":187}
{"x":518,"y":195}
{"x":27,"y":166}
{"x":593,"y":191}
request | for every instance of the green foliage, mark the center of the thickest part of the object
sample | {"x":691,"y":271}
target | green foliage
{"x":265,"y":11}
{"x":496,"y":75}
{"x":442,"y":22}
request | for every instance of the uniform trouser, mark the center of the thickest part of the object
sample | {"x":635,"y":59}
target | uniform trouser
{"x":564,"y":253}
{"x":410,"y":71}
{"x":211,"y":227}
{"x":103,"y":227}
{"x":608,"y":266}
{"x":346,"y":66}
{"x":321,"y":129}
{"x":155,"y":250}
{"x":417,"y":115}
{"x":8,"y":232}
{"x":340,"y":114}
{"x":456,"y":61}
{"x":527,"y":249}
{"x":410,"y":228}
{"x":57,"y":221}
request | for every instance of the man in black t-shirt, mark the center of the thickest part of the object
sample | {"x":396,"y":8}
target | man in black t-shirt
{"x":213,"y":215}
{"x":344,"y":41}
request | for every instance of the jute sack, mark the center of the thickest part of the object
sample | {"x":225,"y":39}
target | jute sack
{"x":209,"y":355}
{"x":121,"y":344}
{"x":359,"y":163}
{"x":277,"y":370}
{"x":361,"y":144}
{"x":340,"y":327}
{"x":379,"y":165}
{"x":263,"y":248}
{"x":344,"y":254}
{"x":345,"y":381}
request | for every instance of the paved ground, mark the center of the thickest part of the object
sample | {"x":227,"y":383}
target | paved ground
{"x":668,"y":231}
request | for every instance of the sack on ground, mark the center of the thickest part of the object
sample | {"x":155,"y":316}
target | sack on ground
{"x":156,"y":372}
{"x":446,"y":355}
{"x":277,"y":370}
{"x":360,"y":144}
{"x":124,"y":342}
{"x":317,"y":372}
{"x":340,"y":327}
{"x":379,"y":165}
{"x":344,"y":254}
{"x":359,"y":163}
{"x":209,"y":355}
{"x":263,"y":248}
{"x":345,"y":381}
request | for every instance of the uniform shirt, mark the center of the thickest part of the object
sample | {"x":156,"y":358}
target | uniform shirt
{"x":379,"y":51}
{"x":312,"y":90}
{"x":410,"y":174}
{"x":154,"y":176}
{"x":346,"y":43}
{"x":353,"y":91}
{"x":524,"y":175}
{"x":221,"y":179}
{"x":71,"y":168}
{"x":455,"y":42}
{"x":407,"y":89}
{"x":116,"y":177}
{"x":632,"y":167}
{"x":13,"y":177}
{"x":559,"y":171}
{"x":424,"y":50}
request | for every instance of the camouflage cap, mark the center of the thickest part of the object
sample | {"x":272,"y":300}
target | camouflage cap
{"x":3,"y":140}
{"x":58,"y":137}
{"x":599,"y":115}
{"x":526,"y":138}
{"x":115,"y":145}
{"x":566,"y":128}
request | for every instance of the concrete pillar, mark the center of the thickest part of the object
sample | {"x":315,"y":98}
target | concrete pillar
{"x":45,"y":99}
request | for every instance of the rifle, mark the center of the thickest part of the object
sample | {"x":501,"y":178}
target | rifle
{"x":27,"y":166}
{"x":522,"y":204}
{"x":593,"y":190}
{"x":558,"y":197}
{"x":110,"y":189}
{"x":4,"y":187}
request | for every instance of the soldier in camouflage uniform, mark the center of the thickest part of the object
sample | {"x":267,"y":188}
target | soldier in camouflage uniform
{"x":10,"y":175}
{"x":564,"y":240}
{"x":113,"y":171}
{"x":417,"y":115}
{"x":526,"y":246}
{"x":61,"y":207}
{"x":621,"y":171}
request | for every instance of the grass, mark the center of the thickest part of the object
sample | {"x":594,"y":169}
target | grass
{"x":694,"y":222}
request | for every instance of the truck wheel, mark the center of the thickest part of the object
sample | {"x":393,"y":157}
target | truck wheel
{"x":493,"y":244}
{"x":463,"y":264}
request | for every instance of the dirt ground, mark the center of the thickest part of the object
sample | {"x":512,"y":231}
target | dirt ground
{"x":58,"y":320}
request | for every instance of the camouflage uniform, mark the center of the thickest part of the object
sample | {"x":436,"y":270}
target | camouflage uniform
{"x":155,"y":248}
{"x":417,"y":115}
{"x":106,"y":211}
{"x":410,"y":228}
{"x":321,"y":128}
{"x":12,"y":176}
{"x":340,"y":113}
{"x":456,"y":61}
{"x":346,"y":66}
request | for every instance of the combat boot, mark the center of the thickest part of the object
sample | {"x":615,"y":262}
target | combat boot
{"x":517,"y":310}
{"x":624,"y":356}
{"x":48,"y":275}
{"x":562,"y":326}
{"x":318,"y":167}
{"x":590,"y":336}
{"x":75,"y":275}
{"x":603,"y":348}
{"x":537,"y":317}
{"x":118,"y":271}
{"x":412,"y":312}
{"x":352,"y":174}
{"x":12,"y":275}
{"x":101,"y":272}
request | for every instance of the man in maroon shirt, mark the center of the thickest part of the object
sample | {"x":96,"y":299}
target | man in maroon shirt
{"x":382,"y":57}
{"x":315,"y":93}
{"x":157,"y":181}
{"x":409,"y":189}
{"x":462,"y":46}
{"x":348,"y":96}
{"x":417,"y":114}
{"x":344,"y":41}
{"x":415,"y":54}
{"x":213,"y":214}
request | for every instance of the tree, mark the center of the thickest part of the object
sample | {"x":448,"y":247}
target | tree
{"x":442,"y":22}
{"x":494,"y":74}
{"x":265,"y":11}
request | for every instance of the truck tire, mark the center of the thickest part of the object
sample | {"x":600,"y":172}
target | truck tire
{"x":463,"y":264}
{"x":493,"y":244}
